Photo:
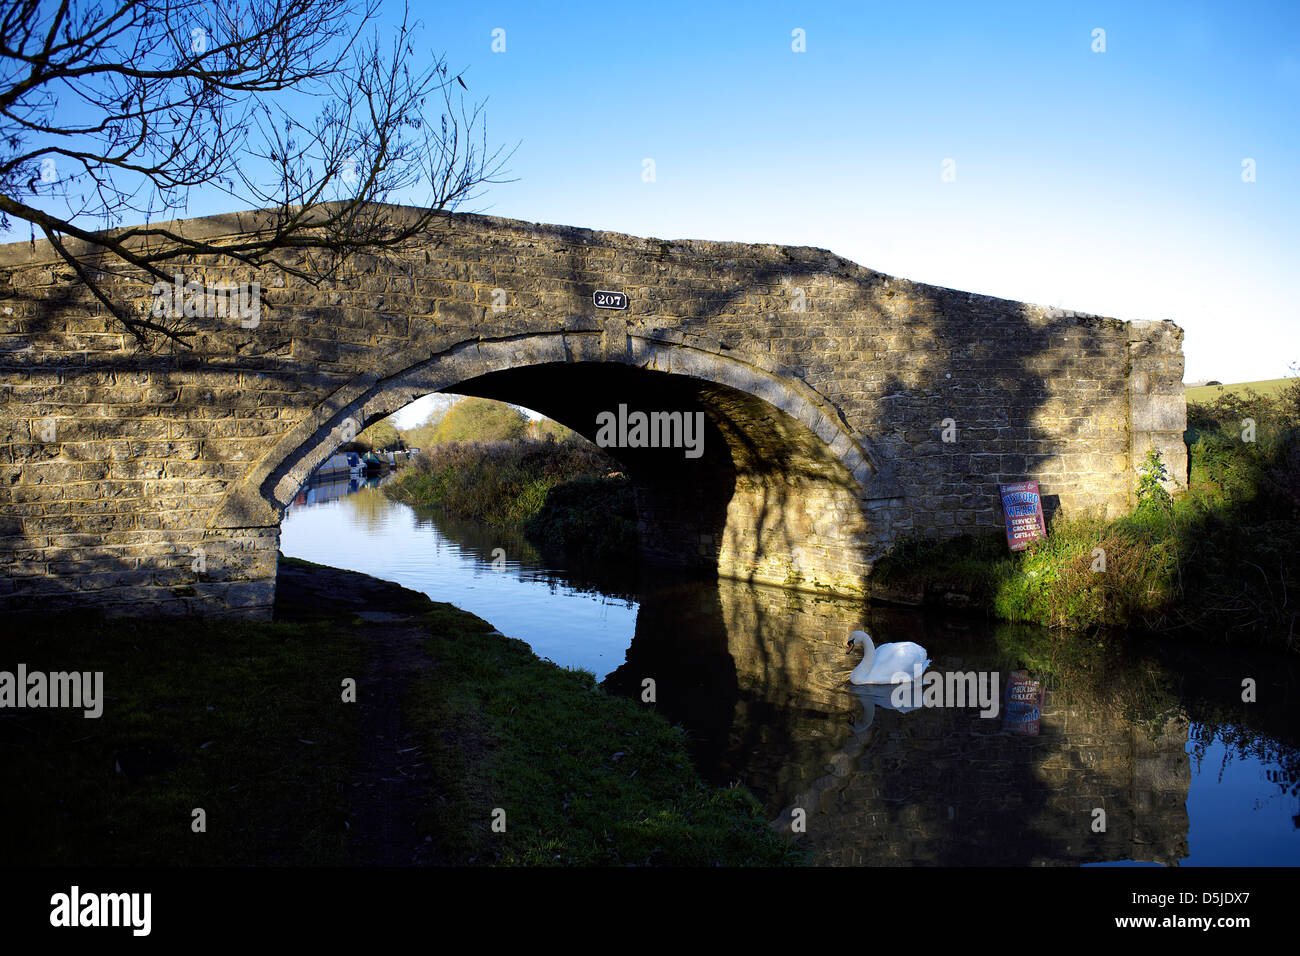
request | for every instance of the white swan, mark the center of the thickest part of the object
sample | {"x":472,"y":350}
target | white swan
{"x":888,"y":663}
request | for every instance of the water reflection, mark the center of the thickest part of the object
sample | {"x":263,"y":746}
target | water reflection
{"x":759,"y":677}
{"x":489,"y":572}
{"x":1157,"y":738}
{"x":329,"y":488}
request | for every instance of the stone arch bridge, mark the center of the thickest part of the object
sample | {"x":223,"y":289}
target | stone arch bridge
{"x":844,"y":409}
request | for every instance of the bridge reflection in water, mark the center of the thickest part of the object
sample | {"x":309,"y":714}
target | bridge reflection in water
{"x":758,"y":676}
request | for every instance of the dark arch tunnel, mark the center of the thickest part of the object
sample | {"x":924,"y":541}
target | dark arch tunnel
{"x":766,"y":500}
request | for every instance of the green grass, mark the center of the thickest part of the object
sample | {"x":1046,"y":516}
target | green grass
{"x":1203,"y":394}
{"x":584,"y":778}
{"x":203,"y":714}
{"x":1052,"y":582}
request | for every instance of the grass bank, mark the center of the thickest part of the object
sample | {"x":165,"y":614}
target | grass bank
{"x":1207,"y":394}
{"x":565,"y":496}
{"x":569,"y":774}
{"x":241,"y":720}
{"x":1218,"y":560}
{"x":247,"y":722}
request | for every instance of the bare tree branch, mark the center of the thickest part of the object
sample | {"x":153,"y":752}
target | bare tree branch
{"x":293,"y":107}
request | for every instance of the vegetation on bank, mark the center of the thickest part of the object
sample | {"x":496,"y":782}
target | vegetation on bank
{"x":466,"y":419}
{"x":481,"y":419}
{"x":381,"y":436}
{"x":590,"y":518}
{"x":577,"y":777}
{"x":1218,"y":560}
{"x":565,"y":495}
{"x":245,"y":720}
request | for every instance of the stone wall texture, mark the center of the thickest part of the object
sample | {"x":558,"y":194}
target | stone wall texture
{"x":845,"y":408}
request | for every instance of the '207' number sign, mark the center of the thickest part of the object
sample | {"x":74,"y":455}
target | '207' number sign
{"x":609,"y":300}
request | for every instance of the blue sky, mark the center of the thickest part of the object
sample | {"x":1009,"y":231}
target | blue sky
{"x":1107,"y":182}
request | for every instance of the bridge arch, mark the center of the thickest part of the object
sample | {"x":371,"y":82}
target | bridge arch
{"x":785,"y":492}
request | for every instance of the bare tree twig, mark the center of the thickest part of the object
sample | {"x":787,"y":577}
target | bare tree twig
{"x":174,"y":95}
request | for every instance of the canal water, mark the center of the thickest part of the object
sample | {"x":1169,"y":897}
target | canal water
{"x":1138,"y":754}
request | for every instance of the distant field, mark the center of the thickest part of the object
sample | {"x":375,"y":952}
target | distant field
{"x":1206,"y":393}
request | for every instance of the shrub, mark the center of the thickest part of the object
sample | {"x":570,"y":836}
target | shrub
{"x":497,"y":482}
{"x":591,"y":520}
{"x":1151,"y":492}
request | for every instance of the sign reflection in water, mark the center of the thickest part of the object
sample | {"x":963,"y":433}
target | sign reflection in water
{"x":758,"y":677}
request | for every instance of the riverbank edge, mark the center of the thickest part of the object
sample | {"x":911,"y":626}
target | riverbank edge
{"x":566,"y":499}
{"x":365,"y":725}
{"x":1063,"y":586}
{"x":529,"y":763}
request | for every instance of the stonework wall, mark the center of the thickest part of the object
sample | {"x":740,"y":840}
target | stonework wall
{"x":154,"y":481}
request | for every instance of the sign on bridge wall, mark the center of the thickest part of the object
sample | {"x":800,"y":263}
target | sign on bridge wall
{"x":1022,"y":507}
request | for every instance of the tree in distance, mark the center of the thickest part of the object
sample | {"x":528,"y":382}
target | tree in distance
{"x":480,"y":419}
{"x":548,"y":429}
{"x":381,"y":436}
